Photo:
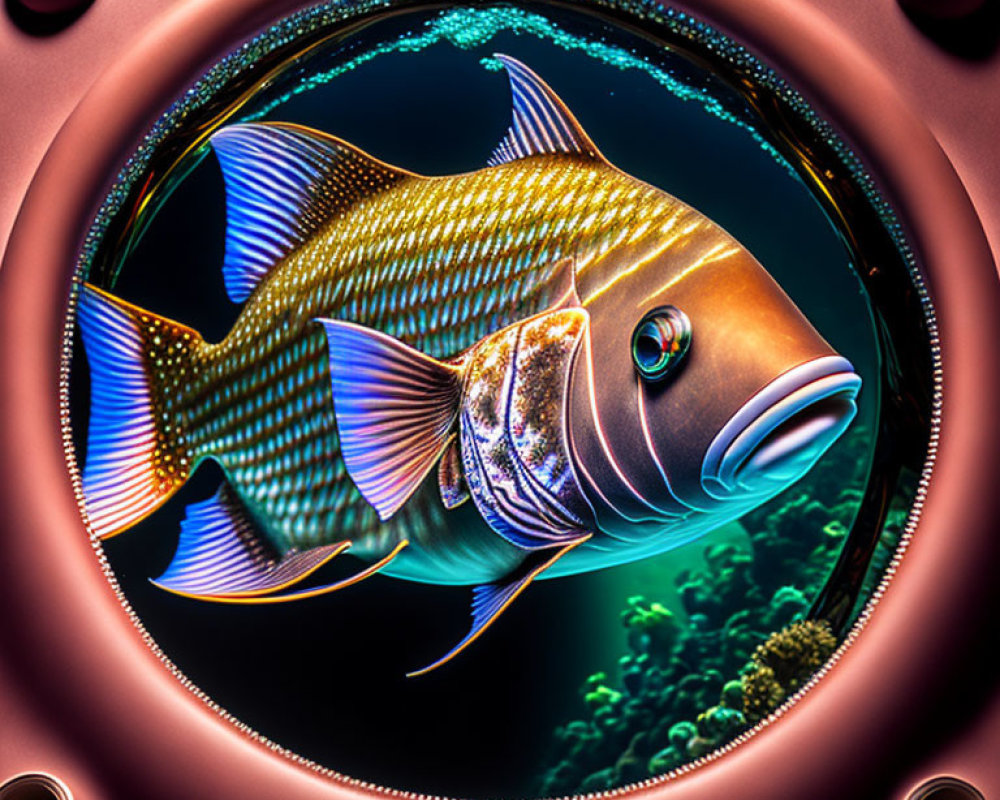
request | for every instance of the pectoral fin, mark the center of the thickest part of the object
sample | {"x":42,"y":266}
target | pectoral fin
{"x":396,"y":410}
{"x":490,"y":600}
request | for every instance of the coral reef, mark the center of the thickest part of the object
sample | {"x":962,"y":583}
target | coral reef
{"x":782,"y":665}
{"x":687,"y":686}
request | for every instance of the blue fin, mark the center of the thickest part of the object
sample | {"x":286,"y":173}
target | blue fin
{"x":283,"y":182}
{"x":491,"y":599}
{"x":220,"y":555}
{"x":542,"y":123}
{"x":135,"y":460}
{"x":396,"y":410}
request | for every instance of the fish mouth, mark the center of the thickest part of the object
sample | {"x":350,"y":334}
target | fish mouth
{"x":780,"y":432}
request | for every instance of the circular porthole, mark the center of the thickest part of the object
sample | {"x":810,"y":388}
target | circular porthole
{"x":722,"y":603}
{"x":946,"y":788}
{"x":495,"y":399}
{"x":34,"y":786}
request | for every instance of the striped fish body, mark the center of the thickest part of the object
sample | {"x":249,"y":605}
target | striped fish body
{"x":438,"y":263}
{"x":517,"y":328}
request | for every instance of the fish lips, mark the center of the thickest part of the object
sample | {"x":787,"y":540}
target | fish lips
{"x":780,"y":432}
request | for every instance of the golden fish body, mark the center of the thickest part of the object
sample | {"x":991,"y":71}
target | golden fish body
{"x":439,"y":263}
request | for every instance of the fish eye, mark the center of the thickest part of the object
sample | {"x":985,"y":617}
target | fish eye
{"x":660,"y":341}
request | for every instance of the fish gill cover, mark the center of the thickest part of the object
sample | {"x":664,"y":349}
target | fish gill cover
{"x":412,"y":90}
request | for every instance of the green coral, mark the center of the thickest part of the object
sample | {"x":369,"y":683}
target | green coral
{"x":782,"y":665}
{"x":652,"y":627}
{"x":665,"y":760}
{"x":597,"y":695}
{"x":732,"y":695}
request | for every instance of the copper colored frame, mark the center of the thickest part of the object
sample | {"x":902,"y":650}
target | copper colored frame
{"x":95,"y":707}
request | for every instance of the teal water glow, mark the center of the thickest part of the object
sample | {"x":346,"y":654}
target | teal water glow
{"x":471,"y":28}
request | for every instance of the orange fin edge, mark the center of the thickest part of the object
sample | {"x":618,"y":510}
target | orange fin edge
{"x":302,"y":594}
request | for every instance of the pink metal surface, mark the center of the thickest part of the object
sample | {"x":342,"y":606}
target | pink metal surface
{"x":84,"y":698}
{"x":943,"y":9}
{"x":51,"y":7}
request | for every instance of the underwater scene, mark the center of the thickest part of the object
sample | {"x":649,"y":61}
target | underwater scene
{"x":497,"y":400}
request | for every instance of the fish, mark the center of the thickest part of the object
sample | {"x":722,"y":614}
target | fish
{"x":538,"y":368}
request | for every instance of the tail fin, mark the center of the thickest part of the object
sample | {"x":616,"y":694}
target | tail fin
{"x":137,"y":455}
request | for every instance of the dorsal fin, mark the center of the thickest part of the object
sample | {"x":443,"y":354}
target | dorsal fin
{"x":542,"y":123}
{"x":283,"y":182}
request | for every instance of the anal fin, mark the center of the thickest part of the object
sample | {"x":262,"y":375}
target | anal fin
{"x":220,"y":554}
{"x":491,"y":599}
{"x":220,"y":557}
{"x":316,"y":591}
